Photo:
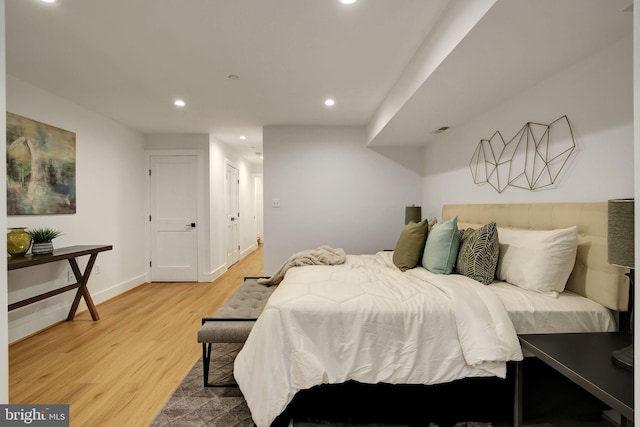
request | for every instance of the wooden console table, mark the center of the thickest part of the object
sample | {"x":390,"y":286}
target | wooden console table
{"x":70,"y":253}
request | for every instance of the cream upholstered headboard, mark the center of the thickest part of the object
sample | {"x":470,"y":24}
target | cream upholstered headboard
{"x":592,"y":276}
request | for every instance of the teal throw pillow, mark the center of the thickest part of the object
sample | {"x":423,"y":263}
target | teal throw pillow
{"x":441,"y":249}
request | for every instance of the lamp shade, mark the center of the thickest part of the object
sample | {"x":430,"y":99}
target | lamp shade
{"x":412,"y":213}
{"x":621,"y":232}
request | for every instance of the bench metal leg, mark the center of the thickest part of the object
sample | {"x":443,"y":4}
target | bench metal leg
{"x":206,"y":358}
{"x":206,"y":363}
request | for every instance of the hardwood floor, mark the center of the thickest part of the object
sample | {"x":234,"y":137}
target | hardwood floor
{"x":121,"y":370}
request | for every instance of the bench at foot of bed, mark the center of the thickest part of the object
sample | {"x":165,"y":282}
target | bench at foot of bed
{"x":232,"y":322}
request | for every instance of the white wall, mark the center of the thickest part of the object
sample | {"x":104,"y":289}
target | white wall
{"x":216,"y":156}
{"x":177,"y":141}
{"x":110,"y":192}
{"x":216,"y":206}
{"x":219,"y":155}
{"x":4,"y":328}
{"x":333,"y":190}
{"x":636,"y":103}
{"x":596,"y":95}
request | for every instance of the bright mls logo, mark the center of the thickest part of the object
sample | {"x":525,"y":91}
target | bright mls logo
{"x":34,"y":415}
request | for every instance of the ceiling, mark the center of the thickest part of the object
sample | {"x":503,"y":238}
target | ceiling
{"x":514,"y":45}
{"x":129,"y":60}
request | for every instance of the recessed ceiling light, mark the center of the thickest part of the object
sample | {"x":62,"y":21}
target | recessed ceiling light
{"x":348,"y":1}
{"x":48,"y":1}
{"x":329,"y":102}
{"x":242,"y":137}
{"x":179,"y":103}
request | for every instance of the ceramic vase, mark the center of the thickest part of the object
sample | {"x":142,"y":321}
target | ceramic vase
{"x":18,"y":242}
{"x":42,"y":248}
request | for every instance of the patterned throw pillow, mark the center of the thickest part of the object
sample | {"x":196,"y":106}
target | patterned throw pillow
{"x":478,"y":256}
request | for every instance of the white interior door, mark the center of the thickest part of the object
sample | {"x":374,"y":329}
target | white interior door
{"x":257,"y":203}
{"x":232,"y":182}
{"x":174,"y":238}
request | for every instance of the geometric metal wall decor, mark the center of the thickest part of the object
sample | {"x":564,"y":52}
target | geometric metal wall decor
{"x":532,"y":159}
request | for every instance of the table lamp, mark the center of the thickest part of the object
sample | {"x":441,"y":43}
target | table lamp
{"x":621,"y":253}
{"x":412,"y":213}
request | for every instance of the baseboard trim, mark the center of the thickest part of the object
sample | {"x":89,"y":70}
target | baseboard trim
{"x":248,"y":250}
{"x":44,"y":314}
{"x":210,"y":277}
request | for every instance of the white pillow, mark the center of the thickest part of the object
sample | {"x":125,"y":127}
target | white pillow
{"x":538,"y":260}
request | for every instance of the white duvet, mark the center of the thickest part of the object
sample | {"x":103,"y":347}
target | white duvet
{"x":367,"y":321}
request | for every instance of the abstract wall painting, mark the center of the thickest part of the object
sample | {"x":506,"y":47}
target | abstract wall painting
{"x":41,"y":168}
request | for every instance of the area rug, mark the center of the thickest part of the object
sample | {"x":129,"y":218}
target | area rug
{"x":193,"y":405}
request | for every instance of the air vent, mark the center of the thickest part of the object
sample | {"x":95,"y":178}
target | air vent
{"x":442,"y":129}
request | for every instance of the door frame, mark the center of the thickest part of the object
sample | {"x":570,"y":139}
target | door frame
{"x":201,"y":198}
{"x":227,"y":163}
{"x":258,"y":207}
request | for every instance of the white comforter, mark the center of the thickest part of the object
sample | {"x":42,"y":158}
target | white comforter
{"x":367,"y":321}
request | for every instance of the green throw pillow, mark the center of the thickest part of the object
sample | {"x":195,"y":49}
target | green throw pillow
{"x":410,"y":245}
{"x":478,"y":256}
{"x":441,"y":249}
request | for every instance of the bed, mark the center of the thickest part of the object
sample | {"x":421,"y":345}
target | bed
{"x":367,"y":321}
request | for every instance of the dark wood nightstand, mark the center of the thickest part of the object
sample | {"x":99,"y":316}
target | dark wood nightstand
{"x":586,"y":360}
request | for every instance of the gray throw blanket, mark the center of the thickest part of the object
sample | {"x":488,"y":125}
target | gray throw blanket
{"x":322,"y":255}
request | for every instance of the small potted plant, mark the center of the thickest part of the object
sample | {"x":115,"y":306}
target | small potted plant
{"x":42,"y":238}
